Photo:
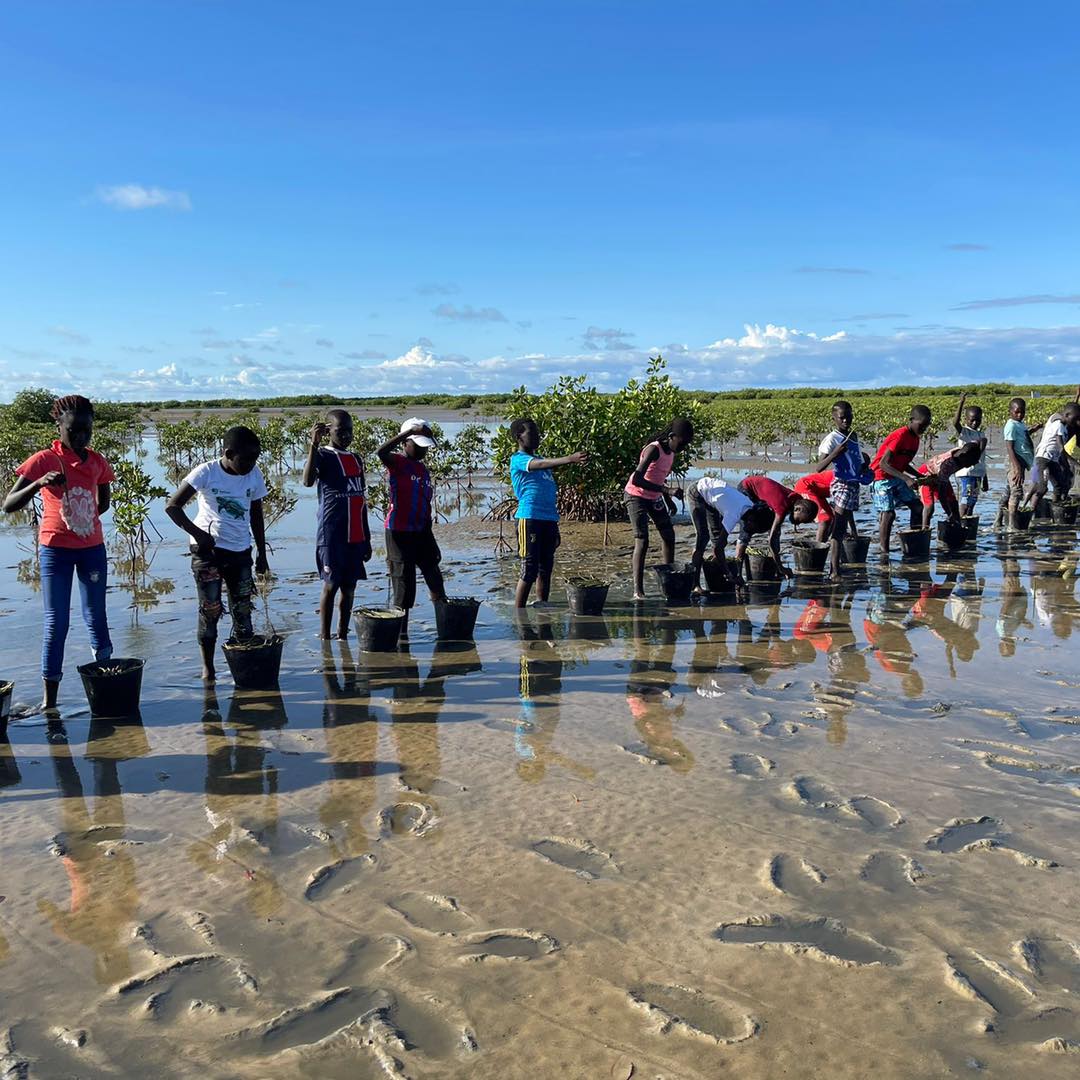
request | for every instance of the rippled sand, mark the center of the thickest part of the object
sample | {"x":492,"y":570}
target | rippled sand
{"x":832,"y":832}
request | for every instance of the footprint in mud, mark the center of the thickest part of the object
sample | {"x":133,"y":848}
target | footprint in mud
{"x":1051,"y":960}
{"x":967,"y":835}
{"x":793,"y":876}
{"x":406,"y":818}
{"x":338,"y":876}
{"x":583,"y":858}
{"x":821,"y":938}
{"x":176,"y":934}
{"x":891,"y":871}
{"x":1032,"y":768}
{"x":1014,"y":1011}
{"x":689,"y":1012}
{"x":432,"y":912}
{"x":1046,"y":727}
{"x":815,"y":796}
{"x":31,"y":1048}
{"x":508,"y":945}
{"x":209,"y":984}
{"x":366,"y":955}
{"x":429,"y":1028}
{"x":751,"y":766}
{"x":774,"y":728}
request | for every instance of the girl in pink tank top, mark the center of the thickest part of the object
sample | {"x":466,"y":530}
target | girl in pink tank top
{"x":647,"y":496}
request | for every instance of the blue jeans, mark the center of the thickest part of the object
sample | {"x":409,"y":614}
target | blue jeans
{"x":58,"y":565}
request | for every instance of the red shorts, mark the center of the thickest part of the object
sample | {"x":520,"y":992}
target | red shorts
{"x":939,"y":491}
{"x":815,"y":487}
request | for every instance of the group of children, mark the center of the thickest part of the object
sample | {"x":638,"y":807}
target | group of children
{"x":74,"y":484}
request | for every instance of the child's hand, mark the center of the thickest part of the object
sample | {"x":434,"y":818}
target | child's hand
{"x":319,"y":431}
{"x":51,"y":479}
{"x":579,"y":458}
{"x":679,"y":494}
{"x":986,"y":483}
{"x":261,"y":565}
{"x":204,"y":544}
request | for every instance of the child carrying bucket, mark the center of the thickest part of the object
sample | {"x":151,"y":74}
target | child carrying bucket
{"x":73,"y":482}
{"x":895,"y":480}
{"x":230,"y":491}
{"x":717,"y":509}
{"x":343,"y":539}
{"x":533,"y":481}
{"x":648,"y":496}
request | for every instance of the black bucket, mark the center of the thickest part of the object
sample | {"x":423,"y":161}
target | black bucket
{"x":1064,"y":513}
{"x":855,"y":548}
{"x":455,"y":618}
{"x":718,"y":575}
{"x":971,"y":526}
{"x":763,"y":567}
{"x":915,"y":543}
{"x":810,"y":556}
{"x":677,"y":581}
{"x":952,"y":534}
{"x":1043,"y":511}
{"x":254,"y":663}
{"x":5,"y":706}
{"x":378,"y":628}
{"x":586,"y":628}
{"x":586,"y":597}
{"x":1021,"y":520}
{"x":113,"y":686}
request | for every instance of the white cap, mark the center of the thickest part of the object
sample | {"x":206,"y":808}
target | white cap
{"x":416,"y":422}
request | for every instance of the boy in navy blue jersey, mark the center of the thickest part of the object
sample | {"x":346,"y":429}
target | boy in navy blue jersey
{"x":343,"y":541}
{"x":537,"y":515}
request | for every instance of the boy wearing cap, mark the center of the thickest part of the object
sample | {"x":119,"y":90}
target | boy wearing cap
{"x":410,"y":542}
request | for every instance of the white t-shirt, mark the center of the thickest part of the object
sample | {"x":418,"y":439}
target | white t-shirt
{"x":1052,"y":444}
{"x":970,"y":435}
{"x":225,"y":503}
{"x":726,"y":499}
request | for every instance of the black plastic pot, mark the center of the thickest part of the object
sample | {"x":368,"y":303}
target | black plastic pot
{"x":915,"y":543}
{"x":1042,"y":511}
{"x":1021,"y":519}
{"x":455,"y":619}
{"x":762,"y":567}
{"x":113,"y":686}
{"x":677,"y":582}
{"x":378,"y":629}
{"x":1064,"y":513}
{"x":586,"y":597}
{"x":952,"y":534}
{"x":810,"y":556}
{"x":855,"y":548}
{"x":256,"y":663}
{"x":5,"y":706}
{"x":971,"y":526}
{"x":717,"y":574}
{"x":588,"y":628}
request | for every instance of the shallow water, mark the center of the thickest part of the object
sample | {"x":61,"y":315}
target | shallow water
{"x":737,"y":839}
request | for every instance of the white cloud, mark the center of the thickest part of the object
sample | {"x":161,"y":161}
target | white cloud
{"x":139,"y":197}
{"x":467,"y":313}
{"x":74,"y":337}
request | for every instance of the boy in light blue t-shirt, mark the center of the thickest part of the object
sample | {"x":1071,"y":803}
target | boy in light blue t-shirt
{"x":537,"y":512}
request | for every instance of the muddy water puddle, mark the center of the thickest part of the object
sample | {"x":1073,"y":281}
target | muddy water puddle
{"x":688,"y":837}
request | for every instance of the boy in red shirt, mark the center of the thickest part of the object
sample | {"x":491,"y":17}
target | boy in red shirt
{"x":784,"y":503}
{"x":895,"y":481}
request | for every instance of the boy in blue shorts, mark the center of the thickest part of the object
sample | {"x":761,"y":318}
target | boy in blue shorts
{"x":968,"y":427}
{"x":895,"y":481}
{"x":343,"y":540}
{"x":537,"y":514}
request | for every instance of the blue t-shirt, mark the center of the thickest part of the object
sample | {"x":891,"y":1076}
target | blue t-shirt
{"x":1017,"y":433}
{"x":534,"y":489}
{"x":849,"y":465}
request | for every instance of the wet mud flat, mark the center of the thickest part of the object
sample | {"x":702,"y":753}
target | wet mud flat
{"x":828,"y":826}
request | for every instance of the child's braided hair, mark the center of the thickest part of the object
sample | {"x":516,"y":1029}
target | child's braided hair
{"x":73,"y":403}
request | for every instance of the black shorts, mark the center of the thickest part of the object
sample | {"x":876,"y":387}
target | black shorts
{"x":412,"y":548}
{"x":537,"y":541}
{"x":641,"y":510}
{"x":342,"y":564}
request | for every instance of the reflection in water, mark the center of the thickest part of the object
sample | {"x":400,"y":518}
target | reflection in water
{"x":1013,"y":613}
{"x":650,"y":692}
{"x":540,"y":674}
{"x":351,"y":733}
{"x":241,"y":794}
{"x":1053,"y":586}
{"x":99,"y":866}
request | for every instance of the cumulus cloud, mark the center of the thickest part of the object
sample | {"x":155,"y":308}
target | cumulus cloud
{"x":72,"y":337}
{"x":597,"y":339}
{"x":139,"y":197}
{"x":967,"y":247}
{"x":1017,"y":301}
{"x":849,"y":270}
{"x":467,"y":313}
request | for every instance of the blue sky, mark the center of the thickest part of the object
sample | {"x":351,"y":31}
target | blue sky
{"x":204,"y":199}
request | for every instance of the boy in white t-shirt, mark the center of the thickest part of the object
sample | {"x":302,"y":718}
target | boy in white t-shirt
{"x":968,"y":427}
{"x":230,"y":493}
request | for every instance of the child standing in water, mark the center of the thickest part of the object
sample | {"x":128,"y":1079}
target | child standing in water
{"x":537,"y":514}
{"x":648,"y":496}
{"x":343,"y":540}
{"x":784,"y":503}
{"x":73,"y":481}
{"x":410,"y":541}
{"x":895,"y":481}
{"x":840,"y":451}
{"x":968,"y":427}
{"x":1019,"y":456}
{"x":939,"y":471}
{"x":230,"y":492}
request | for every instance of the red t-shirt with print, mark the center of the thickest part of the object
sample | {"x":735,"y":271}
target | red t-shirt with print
{"x":69,"y":517}
{"x":904,"y":444}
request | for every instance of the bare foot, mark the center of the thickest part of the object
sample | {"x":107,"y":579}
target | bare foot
{"x":209,"y":675}
{"x":638,"y":597}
